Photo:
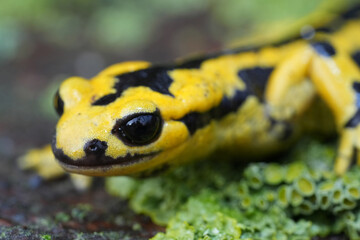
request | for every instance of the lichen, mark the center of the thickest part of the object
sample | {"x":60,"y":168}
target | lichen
{"x":296,"y":197}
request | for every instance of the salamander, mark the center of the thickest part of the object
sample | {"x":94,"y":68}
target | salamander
{"x":137,"y":117}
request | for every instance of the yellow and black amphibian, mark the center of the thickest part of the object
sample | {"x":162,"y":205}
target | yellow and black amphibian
{"x":135,"y":117}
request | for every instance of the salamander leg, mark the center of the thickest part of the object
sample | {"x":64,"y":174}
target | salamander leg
{"x":290,"y":92}
{"x":337,"y":80}
{"x":345,"y":151}
{"x":81,"y":182}
{"x":44,"y":163}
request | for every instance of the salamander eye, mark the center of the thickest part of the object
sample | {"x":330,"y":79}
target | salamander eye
{"x":58,"y":103}
{"x":138,"y":129}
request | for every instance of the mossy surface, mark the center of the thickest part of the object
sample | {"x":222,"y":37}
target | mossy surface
{"x":294,"y":197}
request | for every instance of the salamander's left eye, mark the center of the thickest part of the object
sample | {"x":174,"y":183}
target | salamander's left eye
{"x":58,"y":103}
{"x":138,"y":129}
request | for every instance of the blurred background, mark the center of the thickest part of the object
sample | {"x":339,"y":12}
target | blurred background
{"x":43,"y":42}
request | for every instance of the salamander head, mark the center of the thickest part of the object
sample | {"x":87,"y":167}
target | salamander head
{"x":102,"y":132}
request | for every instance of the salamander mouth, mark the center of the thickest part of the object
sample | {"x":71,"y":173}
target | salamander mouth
{"x":97,"y":162}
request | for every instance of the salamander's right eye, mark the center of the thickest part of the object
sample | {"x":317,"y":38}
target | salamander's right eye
{"x":139,"y":129}
{"x":58,"y":103}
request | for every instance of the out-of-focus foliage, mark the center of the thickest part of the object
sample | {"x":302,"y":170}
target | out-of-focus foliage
{"x":108,"y":24}
{"x":127,"y":25}
{"x":297,"y":197}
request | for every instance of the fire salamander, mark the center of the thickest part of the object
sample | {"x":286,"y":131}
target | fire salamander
{"x":135,"y":117}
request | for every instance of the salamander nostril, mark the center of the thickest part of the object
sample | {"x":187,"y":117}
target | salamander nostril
{"x":95,"y":147}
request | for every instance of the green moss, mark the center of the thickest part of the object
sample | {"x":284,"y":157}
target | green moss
{"x":62,"y":217}
{"x":294,"y":171}
{"x":274,"y":174}
{"x":353,"y":192}
{"x":323,"y":200}
{"x":305,"y":208}
{"x":213,"y":224}
{"x":337,"y":195}
{"x":81,"y":211}
{"x":221,"y":200}
{"x":46,"y":237}
{"x":283,"y":196}
{"x":254,"y":176}
{"x":304,"y":185}
{"x":295,"y":197}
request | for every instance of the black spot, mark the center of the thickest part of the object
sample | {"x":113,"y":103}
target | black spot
{"x":353,"y":13}
{"x":58,"y":103}
{"x":197,"y":120}
{"x":95,"y":147}
{"x":324,"y":29}
{"x":105,"y":100}
{"x":354,"y":157}
{"x":256,"y":79}
{"x":354,"y":121}
{"x":156,"y":78}
{"x":356,"y":86}
{"x":356,"y":57}
{"x":324,"y":48}
{"x":331,"y":27}
{"x":228,"y":105}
